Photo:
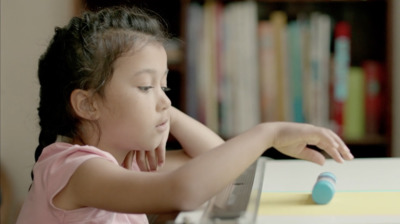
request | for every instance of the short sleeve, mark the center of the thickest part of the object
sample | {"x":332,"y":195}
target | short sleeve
{"x":59,"y":162}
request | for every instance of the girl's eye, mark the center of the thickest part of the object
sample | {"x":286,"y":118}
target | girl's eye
{"x":145,"y":88}
{"x":165,"y":88}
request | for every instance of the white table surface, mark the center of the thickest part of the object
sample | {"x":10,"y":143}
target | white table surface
{"x":358,"y":175}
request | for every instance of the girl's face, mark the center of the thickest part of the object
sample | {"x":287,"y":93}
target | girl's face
{"x":135,"y":109}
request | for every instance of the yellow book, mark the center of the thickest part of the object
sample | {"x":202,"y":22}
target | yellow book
{"x":279,"y":21}
{"x":354,"y":109}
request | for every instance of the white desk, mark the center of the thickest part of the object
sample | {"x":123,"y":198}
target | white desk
{"x":359,"y":175}
{"x":287,"y":179}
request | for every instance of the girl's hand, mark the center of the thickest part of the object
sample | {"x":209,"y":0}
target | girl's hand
{"x":293,"y":140}
{"x":151,"y":160}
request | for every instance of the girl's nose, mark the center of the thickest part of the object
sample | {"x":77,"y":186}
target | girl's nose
{"x":164,"y":101}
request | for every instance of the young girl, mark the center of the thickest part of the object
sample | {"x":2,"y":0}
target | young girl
{"x":105,"y":120}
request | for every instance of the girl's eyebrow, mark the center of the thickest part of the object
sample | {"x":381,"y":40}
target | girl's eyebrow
{"x":150,"y":71}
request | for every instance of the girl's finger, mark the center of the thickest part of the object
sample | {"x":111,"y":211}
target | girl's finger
{"x":312,"y":156}
{"x":160,"y":153}
{"x":127,"y":163}
{"x":141,"y":160}
{"x":343,"y":149}
{"x":152,"y":160}
{"x":324,"y":140}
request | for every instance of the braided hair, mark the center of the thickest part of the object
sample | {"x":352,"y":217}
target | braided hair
{"x":81,"y":56}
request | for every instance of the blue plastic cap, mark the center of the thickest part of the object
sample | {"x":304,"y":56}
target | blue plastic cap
{"x":328,"y":174}
{"x":323,"y":192}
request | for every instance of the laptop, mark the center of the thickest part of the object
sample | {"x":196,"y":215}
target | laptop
{"x":237,"y":203}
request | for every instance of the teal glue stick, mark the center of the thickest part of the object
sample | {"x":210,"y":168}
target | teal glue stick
{"x":324,"y":188}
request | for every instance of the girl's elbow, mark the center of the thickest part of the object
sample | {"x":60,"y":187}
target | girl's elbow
{"x":188,"y":196}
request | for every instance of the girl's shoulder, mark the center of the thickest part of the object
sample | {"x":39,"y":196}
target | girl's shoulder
{"x":63,"y":150}
{"x":62,"y":159}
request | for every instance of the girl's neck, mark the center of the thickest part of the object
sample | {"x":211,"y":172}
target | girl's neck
{"x":123,"y":160}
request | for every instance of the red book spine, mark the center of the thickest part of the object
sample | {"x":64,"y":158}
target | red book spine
{"x":373,"y":96}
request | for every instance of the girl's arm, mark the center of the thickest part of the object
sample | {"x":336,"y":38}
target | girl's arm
{"x":98,"y":183}
{"x":194,"y":137}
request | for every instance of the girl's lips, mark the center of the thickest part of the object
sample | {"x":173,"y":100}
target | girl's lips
{"x":163,"y":126}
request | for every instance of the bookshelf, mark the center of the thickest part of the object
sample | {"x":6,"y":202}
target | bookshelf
{"x":229,"y":102}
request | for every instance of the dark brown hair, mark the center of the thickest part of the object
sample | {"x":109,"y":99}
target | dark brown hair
{"x":81,"y":56}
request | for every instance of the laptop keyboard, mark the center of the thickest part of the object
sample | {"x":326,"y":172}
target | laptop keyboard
{"x":232,"y":202}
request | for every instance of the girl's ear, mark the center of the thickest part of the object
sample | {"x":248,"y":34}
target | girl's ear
{"x":84,"y":105}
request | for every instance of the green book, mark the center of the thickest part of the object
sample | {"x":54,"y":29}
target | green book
{"x":354,"y":110}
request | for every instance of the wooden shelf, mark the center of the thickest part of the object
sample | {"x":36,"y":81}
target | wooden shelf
{"x":369,"y":20}
{"x":368,"y":140}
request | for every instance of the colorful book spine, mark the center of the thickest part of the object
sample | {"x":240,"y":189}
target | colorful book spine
{"x":373,"y":71}
{"x":354,"y":109}
{"x":341,"y":70}
{"x":240,"y":103}
{"x":318,"y":77}
{"x":279,"y":21}
{"x":295,"y":71}
{"x":267,"y":71}
{"x":194,"y":32}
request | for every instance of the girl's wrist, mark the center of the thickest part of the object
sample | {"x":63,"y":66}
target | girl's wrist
{"x":172,"y":112}
{"x":268,"y":132}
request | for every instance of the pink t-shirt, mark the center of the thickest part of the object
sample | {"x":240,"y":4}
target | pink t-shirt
{"x":52,"y":172}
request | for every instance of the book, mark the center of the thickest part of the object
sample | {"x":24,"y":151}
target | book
{"x":295,"y":71}
{"x":318,"y":76}
{"x":240,"y":68}
{"x":194,"y":30}
{"x":211,"y":70}
{"x":267,"y":71}
{"x":373,"y":71}
{"x":204,"y":62}
{"x":354,"y":106}
{"x":341,"y":71}
{"x":279,"y":21}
